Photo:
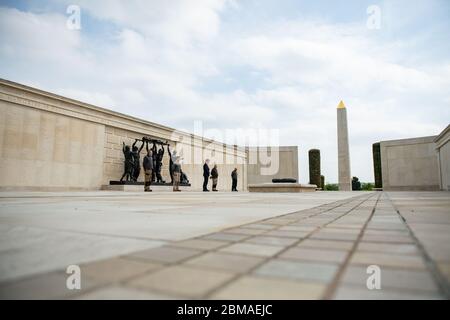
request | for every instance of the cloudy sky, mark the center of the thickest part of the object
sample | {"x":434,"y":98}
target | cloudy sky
{"x":259,"y":64}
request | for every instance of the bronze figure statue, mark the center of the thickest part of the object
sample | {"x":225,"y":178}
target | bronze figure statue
{"x":132,"y":166}
{"x":159,"y":159}
{"x":136,"y":159}
{"x":128,"y":164}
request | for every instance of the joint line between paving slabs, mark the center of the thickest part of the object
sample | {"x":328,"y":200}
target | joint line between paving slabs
{"x":438,"y":278}
{"x":335,"y":282}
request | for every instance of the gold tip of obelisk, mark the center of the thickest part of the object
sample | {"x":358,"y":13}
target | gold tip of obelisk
{"x":341,"y":105}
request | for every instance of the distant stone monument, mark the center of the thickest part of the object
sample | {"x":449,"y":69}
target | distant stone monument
{"x":345,"y":183}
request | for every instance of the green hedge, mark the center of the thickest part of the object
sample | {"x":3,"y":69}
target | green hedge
{"x":367,"y":186}
{"x":356,"y":185}
{"x":314,"y":167}
{"x":376,"y":152}
{"x":331,"y":187}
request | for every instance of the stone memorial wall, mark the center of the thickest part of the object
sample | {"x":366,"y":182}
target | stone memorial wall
{"x":49,"y":142}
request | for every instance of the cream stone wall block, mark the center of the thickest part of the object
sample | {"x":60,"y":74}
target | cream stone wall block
{"x":42,"y":150}
{"x":442,"y":142}
{"x":410,"y":164}
{"x":287,"y":164}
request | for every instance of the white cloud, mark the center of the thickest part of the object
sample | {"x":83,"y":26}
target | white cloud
{"x":42,"y":37}
{"x":176,"y":22}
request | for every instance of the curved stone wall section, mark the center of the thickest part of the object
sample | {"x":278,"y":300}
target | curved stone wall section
{"x":443,"y":149}
{"x":49,"y":142}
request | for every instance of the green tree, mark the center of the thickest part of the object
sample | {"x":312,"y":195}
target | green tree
{"x":314,"y":167}
{"x":367,"y":186}
{"x":331,"y":187}
{"x":376,"y":153}
{"x":356,"y":185}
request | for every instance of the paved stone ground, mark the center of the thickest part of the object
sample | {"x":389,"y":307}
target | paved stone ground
{"x":41,"y":232}
{"x":320,"y":252}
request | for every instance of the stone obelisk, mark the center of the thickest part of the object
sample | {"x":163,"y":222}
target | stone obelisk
{"x":345,"y":183}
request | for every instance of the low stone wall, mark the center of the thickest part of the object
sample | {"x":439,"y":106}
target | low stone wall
{"x":49,"y":142}
{"x":279,"y":162}
{"x":281,"y":187}
{"x":409,"y":164}
{"x":443,"y":149}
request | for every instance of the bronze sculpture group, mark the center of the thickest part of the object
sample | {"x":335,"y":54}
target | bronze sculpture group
{"x":132,"y":163}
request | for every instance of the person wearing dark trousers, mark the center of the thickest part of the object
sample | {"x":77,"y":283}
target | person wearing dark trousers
{"x":214,"y":177}
{"x":205,"y":175}
{"x":171,"y":163}
{"x":234,"y":179}
{"x":176,"y":174}
{"x":148,"y":168}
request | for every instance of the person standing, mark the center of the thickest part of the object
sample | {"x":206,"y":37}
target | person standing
{"x":234,"y":179}
{"x":148,"y":170}
{"x":205,"y":175}
{"x":214,"y":177}
{"x":171,"y":163}
{"x":176,"y":169}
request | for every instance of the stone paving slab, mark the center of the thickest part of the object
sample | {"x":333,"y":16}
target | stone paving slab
{"x":314,"y":253}
{"x":115,"y":292}
{"x":298,"y":270}
{"x":252,"y":287}
{"x":271,"y":240}
{"x":356,"y":293}
{"x":182,"y":281}
{"x":400,"y":279}
{"x":234,"y":263}
{"x":165,"y":254}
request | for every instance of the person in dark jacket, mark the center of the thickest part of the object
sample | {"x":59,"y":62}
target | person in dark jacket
{"x":147,"y":163}
{"x":234,"y":179}
{"x":214,"y":177}
{"x":171,"y":158}
{"x":176,"y":169}
{"x":205,"y":175}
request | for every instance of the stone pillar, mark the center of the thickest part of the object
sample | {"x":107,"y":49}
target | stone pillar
{"x":345,"y":183}
{"x":314,"y":167}
{"x":376,"y":152}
